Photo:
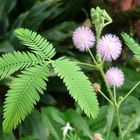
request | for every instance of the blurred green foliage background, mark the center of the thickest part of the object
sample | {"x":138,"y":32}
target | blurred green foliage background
{"x":56,"y":20}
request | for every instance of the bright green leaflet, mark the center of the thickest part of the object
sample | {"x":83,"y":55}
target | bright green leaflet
{"x":132,"y":45}
{"x":12,"y":62}
{"x":36,"y":43}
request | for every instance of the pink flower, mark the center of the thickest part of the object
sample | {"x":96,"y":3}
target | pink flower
{"x":83,"y":38}
{"x":109,"y":47}
{"x":115,"y":77}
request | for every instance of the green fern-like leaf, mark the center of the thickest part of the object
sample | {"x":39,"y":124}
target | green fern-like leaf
{"x":23,"y":95}
{"x":132,"y":44}
{"x":36,"y":43}
{"x":78,"y":85}
{"x":12,"y":62}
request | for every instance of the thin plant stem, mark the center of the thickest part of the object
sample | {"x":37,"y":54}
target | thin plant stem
{"x":113,"y":98}
{"x":116,"y":106}
{"x":119,"y":123}
{"x":92,"y":56}
{"x":108,"y":23}
{"x":127,"y":129}
{"x":106,"y":97}
{"x":98,"y":36}
{"x":107,"y":86}
{"x":86,"y":64}
{"x":137,"y":84}
{"x":114,"y":91}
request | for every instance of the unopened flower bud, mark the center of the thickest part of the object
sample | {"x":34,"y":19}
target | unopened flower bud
{"x":96,"y":87}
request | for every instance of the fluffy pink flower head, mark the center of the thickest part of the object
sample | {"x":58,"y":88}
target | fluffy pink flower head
{"x":109,"y":47}
{"x":115,"y":77}
{"x":83,"y":38}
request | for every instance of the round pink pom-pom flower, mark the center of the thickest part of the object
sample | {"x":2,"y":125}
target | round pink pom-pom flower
{"x":109,"y":47}
{"x":83,"y":38}
{"x":114,"y":77}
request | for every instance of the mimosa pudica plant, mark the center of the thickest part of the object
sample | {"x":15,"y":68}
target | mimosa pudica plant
{"x":34,"y":65}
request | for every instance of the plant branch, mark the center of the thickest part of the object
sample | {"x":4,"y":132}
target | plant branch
{"x":92,"y":56}
{"x":127,"y":129}
{"x":86,"y":64}
{"x":134,"y":87}
{"x":119,"y":123}
{"x":115,"y":99}
{"x":107,"y":86}
{"x":106,"y":97}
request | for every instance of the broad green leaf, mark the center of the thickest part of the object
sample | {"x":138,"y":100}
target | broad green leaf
{"x":53,"y":127}
{"x":78,"y":122}
{"x":8,"y":5}
{"x":6,"y":47}
{"x":34,"y":126}
{"x":3,"y":136}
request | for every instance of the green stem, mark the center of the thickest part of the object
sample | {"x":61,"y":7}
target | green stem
{"x":129,"y":127}
{"x":107,"y":86}
{"x":115,"y":99}
{"x":86,"y":64}
{"x":129,"y":92}
{"x":116,"y":106}
{"x":92,"y":56}
{"x":106,"y":97}
{"x":98,"y":34}
{"x":119,"y":123}
{"x":108,"y":23}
